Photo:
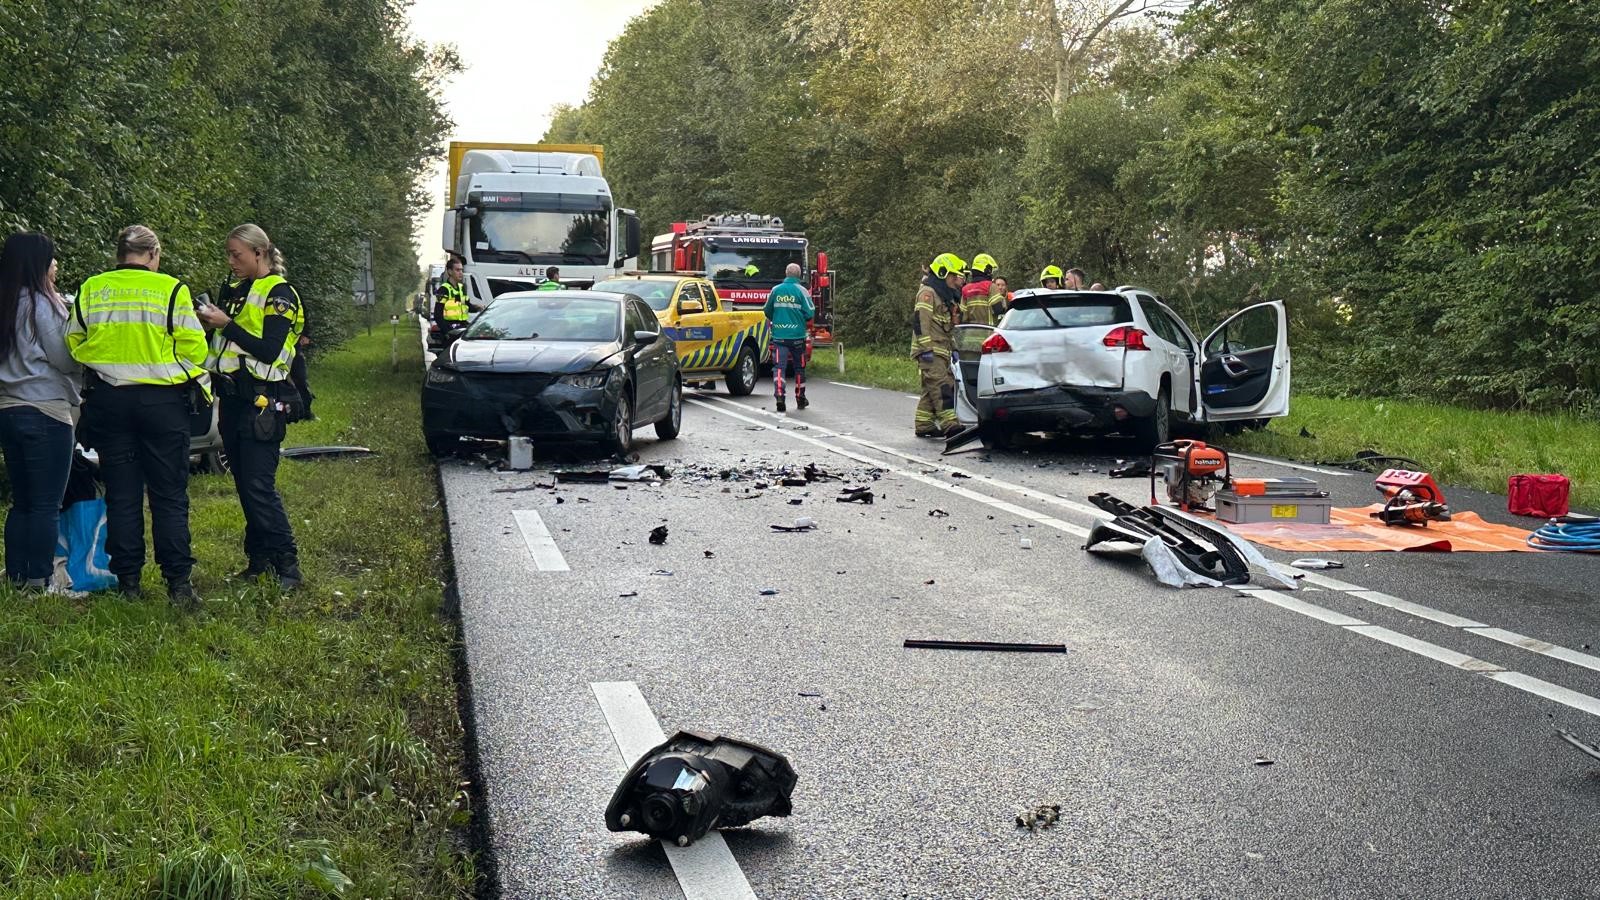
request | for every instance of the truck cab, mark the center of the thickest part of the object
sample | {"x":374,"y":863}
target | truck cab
{"x":516,"y":210}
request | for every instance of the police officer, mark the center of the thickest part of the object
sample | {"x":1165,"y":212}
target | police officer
{"x":552,"y":280}
{"x":933,"y":343}
{"x":450,"y":309}
{"x":252,"y":352}
{"x":135,"y":332}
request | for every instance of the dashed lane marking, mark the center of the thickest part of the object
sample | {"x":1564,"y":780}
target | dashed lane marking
{"x":856,"y":387}
{"x":706,"y":869}
{"x":541,"y":546}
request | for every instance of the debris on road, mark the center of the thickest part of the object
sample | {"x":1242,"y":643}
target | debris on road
{"x":938,"y":513}
{"x":1026,"y":543}
{"x":1039,"y":817}
{"x":536,"y":486}
{"x":583,"y":476}
{"x":795,"y":501}
{"x":769,"y":592}
{"x":794,"y":482}
{"x":694,"y":781}
{"x":991,"y":646}
{"x":855,"y":495}
{"x":628,"y":594}
{"x":312,"y":453}
{"x":1317,"y":564}
{"x":1575,"y":741}
{"x":658,"y":535}
{"x":642,"y":472}
{"x":1264,"y":760}
{"x":811,"y":693}
{"x":664,"y":572}
{"x":816,"y":473}
{"x":1182,"y":550}
{"x":1138,"y":468}
{"x":710,"y":555}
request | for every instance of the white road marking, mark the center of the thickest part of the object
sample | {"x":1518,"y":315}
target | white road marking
{"x":1432,"y":651}
{"x":1295,"y":604}
{"x":706,"y":869}
{"x":985,"y":499}
{"x":851,"y":386}
{"x":541,"y":546}
{"x":1415,"y":609}
{"x":1290,"y":465}
{"x":1423,"y":648}
{"x":912,"y":397}
{"x":1545,"y":648}
{"x":1545,"y":689}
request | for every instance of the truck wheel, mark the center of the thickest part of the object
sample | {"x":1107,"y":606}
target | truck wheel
{"x":1157,"y":429}
{"x":668,"y":427}
{"x":741,"y":378}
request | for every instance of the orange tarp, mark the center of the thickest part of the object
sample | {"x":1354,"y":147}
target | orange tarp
{"x":1354,"y":531}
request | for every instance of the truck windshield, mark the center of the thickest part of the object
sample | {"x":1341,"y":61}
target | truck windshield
{"x":540,"y":237}
{"x":728,"y":264}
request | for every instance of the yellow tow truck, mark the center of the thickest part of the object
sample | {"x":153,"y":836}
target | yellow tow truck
{"x":716,"y":341}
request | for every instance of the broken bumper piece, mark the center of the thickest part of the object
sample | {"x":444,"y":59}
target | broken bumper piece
{"x":1181,"y":549}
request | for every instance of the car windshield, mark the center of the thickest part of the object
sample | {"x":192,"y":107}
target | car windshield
{"x":541,"y":237}
{"x":726,"y":263}
{"x":547,"y":319}
{"x":1067,"y":311}
{"x":657,"y":293}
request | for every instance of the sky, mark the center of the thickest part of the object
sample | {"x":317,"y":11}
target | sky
{"x":521,"y":59}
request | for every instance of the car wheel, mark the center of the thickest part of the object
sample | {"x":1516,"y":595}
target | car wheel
{"x":622,"y":424}
{"x":994,"y":437}
{"x":214,"y":462}
{"x":668,"y":427}
{"x":441,"y":444}
{"x":742,"y":377}
{"x":1157,"y":429}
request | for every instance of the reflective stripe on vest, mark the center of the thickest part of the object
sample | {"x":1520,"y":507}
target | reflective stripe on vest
{"x":455,"y":303}
{"x":252,"y":317}
{"x":120,"y":327}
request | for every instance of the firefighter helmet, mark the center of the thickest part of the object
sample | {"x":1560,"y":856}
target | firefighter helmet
{"x":984,"y":263}
{"x":1049,"y":273}
{"x":947,"y":264}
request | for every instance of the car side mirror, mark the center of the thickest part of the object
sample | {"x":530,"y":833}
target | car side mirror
{"x":646,"y":338}
{"x":690,"y":306}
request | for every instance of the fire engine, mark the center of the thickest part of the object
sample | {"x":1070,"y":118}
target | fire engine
{"x":745,"y":256}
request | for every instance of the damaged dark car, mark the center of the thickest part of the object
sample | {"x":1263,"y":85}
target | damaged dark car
{"x":556,"y":365}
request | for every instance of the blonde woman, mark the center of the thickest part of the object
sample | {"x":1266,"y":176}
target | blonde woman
{"x":258,"y":327}
{"x":134,"y":330}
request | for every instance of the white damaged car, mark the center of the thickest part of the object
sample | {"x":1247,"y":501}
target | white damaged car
{"x":1118,"y":361}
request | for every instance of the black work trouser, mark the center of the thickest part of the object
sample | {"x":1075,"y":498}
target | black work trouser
{"x":142,"y":435}
{"x":268,"y":538}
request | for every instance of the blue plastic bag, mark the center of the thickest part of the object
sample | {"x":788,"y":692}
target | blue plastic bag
{"x":81,"y":545}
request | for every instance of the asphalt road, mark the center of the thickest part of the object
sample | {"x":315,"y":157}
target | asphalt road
{"x":1412,"y":751}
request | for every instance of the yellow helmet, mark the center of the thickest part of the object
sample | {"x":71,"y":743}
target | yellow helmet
{"x":984,"y":263}
{"x":1049,"y":273}
{"x":946,"y":263}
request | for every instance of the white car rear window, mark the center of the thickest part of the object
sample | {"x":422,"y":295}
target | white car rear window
{"x":1067,"y":312}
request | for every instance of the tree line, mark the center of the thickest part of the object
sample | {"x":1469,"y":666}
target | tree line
{"x":1417,"y":179}
{"x":314,"y":118}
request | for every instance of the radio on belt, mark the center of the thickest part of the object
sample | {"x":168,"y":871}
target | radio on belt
{"x":1247,"y":500}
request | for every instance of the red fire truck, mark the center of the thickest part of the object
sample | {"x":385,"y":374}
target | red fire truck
{"x":745,"y":255}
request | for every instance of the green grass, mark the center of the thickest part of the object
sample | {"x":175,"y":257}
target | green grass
{"x":270,"y":746}
{"x":1477,"y":448}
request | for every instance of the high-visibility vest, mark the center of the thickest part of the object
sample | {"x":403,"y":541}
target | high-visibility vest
{"x":252,"y":317}
{"x":549,"y":286}
{"x":455,"y":303}
{"x":134,"y":326}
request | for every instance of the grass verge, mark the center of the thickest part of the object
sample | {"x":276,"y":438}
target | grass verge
{"x":270,"y":746}
{"x":883,"y":367}
{"x":1477,"y":448}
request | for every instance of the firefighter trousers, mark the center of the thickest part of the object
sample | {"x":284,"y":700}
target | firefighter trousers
{"x":936,"y":412}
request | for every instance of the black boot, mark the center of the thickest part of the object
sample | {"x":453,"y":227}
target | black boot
{"x":800,"y":399}
{"x":289,"y":577}
{"x":182,"y":595}
{"x":255,"y":568}
{"x":781,"y":407}
{"x":129,"y":587}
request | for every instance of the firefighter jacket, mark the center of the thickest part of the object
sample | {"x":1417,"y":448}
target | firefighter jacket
{"x":978,"y":303}
{"x":933,"y":320}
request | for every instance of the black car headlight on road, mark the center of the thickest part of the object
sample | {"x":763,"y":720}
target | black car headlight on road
{"x":439,"y":375}
{"x":588,"y":380}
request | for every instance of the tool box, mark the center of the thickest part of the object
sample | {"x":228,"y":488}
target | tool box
{"x":1274,"y":500}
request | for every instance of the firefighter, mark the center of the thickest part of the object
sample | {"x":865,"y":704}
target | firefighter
{"x":552,"y":280}
{"x":980,"y":304}
{"x":933,"y":343}
{"x":1051,"y":278}
{"x":450,"y":309}
{"x":252,"y":354}
{"x":134,"y":330}
{"x":751,"y":270}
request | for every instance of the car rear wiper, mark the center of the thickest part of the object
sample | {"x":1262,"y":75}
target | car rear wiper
{"x":1053,"y":320}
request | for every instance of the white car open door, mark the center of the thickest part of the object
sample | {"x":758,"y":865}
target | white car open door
{"x":1244,"y":366}
{"x":969,"y":350}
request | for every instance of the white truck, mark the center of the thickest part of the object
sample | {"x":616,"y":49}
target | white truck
{"x":514,"y":210}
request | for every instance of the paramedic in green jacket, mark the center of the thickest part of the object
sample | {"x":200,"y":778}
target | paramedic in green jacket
{"x":790,"y":310}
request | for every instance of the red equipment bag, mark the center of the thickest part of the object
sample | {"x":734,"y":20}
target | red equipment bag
{"x":1544,"y":496}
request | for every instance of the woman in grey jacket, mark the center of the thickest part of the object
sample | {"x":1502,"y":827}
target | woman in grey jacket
{"x":38,"y":397}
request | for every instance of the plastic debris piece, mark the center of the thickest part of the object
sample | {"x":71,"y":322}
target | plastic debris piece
{"x":1038,"y":817}
{"x":583,"y":476}
{"x":856,"y":495}
{"x":795,"y":501}
{"x":658,"y":535}
{"x":769,"y":592}
{"x":1027,"y":543}
{"x":938,"y":514}
{"x":710,"y":555}
{"x":1264,"y":760}
{"x":811,"y":693}
{"x":628,"y":594}
{"x":1575,"y":741}
{"x":666,"y":572}
{"x":1311,"y":563}
{"x":326,"y":452}
{"x":991,"y":646}
{"x":794,"y":482}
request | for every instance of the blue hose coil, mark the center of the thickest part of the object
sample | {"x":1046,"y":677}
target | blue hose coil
{"x":1568,"y":537}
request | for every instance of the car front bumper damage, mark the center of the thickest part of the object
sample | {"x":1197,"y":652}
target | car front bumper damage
{"x":497,"y":405}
